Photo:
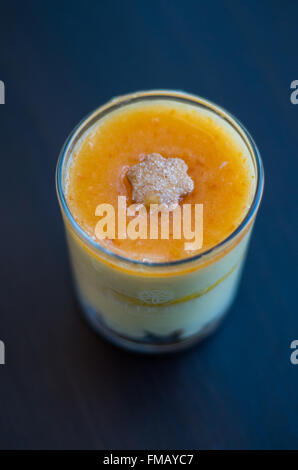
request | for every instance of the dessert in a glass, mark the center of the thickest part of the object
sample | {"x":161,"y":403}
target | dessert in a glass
{"x":163,"y":149}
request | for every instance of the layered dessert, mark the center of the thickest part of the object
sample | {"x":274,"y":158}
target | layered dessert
{"x":164,"y":150}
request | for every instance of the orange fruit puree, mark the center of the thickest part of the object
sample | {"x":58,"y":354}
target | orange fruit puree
{"x":216,"y":163}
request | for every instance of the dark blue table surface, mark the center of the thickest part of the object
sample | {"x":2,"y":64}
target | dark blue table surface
{"x":63,"y":387}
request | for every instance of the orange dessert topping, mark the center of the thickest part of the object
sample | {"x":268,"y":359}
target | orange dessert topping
{"x":193,"y":156}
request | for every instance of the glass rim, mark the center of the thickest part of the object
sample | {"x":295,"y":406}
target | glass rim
{"x":115,"y":103}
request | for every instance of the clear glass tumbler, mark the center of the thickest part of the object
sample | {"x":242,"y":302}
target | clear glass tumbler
{"x":157,"y":307}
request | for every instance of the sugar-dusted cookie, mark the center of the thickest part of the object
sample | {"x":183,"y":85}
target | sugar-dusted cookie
{"x":159,"y":180}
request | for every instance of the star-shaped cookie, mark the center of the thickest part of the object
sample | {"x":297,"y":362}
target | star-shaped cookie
{"x":159,"y":180}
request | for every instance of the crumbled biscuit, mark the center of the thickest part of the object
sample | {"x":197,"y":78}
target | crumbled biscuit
{"x":159,"y":180}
